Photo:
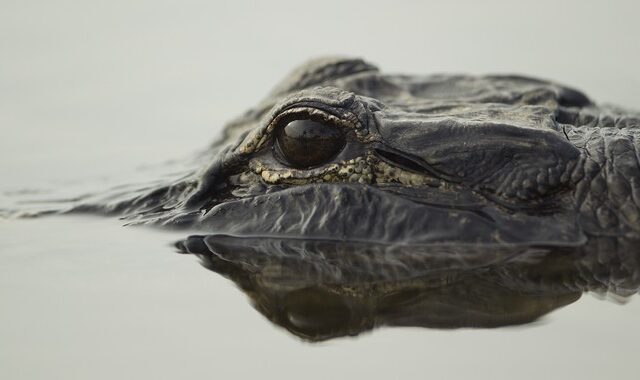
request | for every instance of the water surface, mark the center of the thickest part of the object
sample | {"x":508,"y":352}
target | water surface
{"x":83,"y":297}
{"x":92,"y":94}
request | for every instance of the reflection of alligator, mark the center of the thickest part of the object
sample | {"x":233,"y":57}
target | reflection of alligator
{"x":342,"y":151}
{"x":320,"y":290}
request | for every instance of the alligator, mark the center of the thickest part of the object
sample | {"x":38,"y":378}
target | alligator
{"x":353,"y":188}
{"x":341,"y":151}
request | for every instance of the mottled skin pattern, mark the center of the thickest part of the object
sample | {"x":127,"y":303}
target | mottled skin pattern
{"x":428,"y":159}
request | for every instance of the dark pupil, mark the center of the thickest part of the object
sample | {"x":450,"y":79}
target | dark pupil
{"x":307,"y":143}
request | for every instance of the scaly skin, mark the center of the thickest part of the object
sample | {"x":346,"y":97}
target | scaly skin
{"x":428,"y":159}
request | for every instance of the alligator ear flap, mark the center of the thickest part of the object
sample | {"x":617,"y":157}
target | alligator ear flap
{"x":526,"y":160}
{"x":321,"y":70}
{"x":519,"y":163}
{"x":538,"y":165}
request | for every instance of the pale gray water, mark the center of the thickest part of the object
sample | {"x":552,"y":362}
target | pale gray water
{"x":92,"y":91}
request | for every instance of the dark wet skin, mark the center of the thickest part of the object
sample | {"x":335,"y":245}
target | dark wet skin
{"x":359,"y":199}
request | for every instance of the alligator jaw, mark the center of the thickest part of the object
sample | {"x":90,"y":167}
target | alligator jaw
{"x":349,"y":212}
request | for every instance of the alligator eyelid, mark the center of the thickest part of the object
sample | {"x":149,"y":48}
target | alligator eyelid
{"x":300,"y":112}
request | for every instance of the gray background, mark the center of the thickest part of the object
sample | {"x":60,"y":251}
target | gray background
{"x":134,"y":80}
{"x":91,"y":89}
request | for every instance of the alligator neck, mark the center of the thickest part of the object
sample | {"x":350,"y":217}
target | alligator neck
{"x":607,"y":179}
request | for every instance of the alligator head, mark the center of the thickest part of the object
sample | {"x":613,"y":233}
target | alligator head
{"x":341,"y":151}
{"x":365,"y":199}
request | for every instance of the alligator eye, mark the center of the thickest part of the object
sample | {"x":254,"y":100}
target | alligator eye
{"x":308,"y":143}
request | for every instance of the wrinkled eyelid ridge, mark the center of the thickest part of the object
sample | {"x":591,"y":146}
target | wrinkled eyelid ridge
{"x":310,"y":113}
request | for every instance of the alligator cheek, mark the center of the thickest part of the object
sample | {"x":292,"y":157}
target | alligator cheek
{"x":367,"y":214}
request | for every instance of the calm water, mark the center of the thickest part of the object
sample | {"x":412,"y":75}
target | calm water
{"x":91,"y":93}
{"x":85,"y":298}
